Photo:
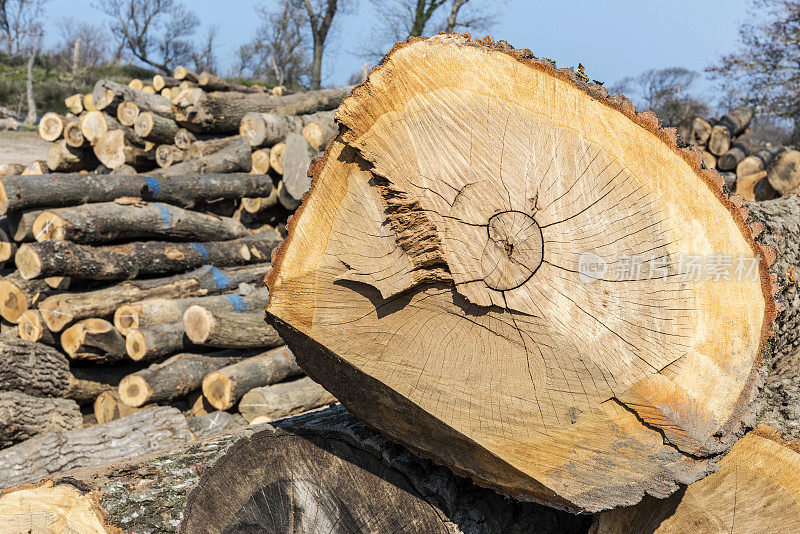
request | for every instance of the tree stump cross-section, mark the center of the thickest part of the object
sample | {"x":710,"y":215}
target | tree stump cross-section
{"x":435,"y":280}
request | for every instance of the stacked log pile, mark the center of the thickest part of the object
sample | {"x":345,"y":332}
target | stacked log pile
{"x":751,"y":170}
{"x":123,"y":291}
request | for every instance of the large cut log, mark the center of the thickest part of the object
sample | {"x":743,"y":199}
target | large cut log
{"x":127,"y":113}
{"x":18,"y":294}
{"x":132,"y":260}
{"x":147,"y":344}
{"x":224,"y":387}
{"x":223,"y":112}
{"x":784,"y":172}
{"x":93,"y":339}
{"x":319,"y":132}
{"x":226,"y":328}
{"x":756,"y":489}
{"x":187,"y":191}
{"x":60,"y":310}
{"x":111,"y":221}
{"x":74,"y":103}
{"x":51,"y":126}
{"x":62,"y":157}
{"x":319,"y":472}
{"x":234,"y":157}
{"x":33,"y":368}
{"x":286,"y":398}
{"x":297,"y":157}
{"x":108,"y":94}
{"x":96,"y":124}
{"x":23,"y":416}
{"x":152,"y":312}
{"x":694,"y":131}
{"x":154,"y":429}
{"x":173,"y":378}
{"x":114,"y":149}
{"x":155,"y":127}
{"x":266,"y":129}
{"x":511,"y":333}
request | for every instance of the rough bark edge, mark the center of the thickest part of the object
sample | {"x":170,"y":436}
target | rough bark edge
{"x":649,"y":121}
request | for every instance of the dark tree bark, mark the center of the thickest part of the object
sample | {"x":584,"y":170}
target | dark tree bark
{"x":23,"y":416}
{"x":33,"y":368}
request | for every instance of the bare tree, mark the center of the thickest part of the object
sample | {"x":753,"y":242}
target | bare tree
{"x":204,"y":57}
{"x":401,"y":19}
{"x":320,"y":14}
{"x":82,"y":46}
{"x":664,"y":91}
{"x":278,"y":51}
{"x":765,"y":72}
{"x":21,"y":26}
{"x":156,"y":32}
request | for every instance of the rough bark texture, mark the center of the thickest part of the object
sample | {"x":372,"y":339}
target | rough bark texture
{"x":33,"y":368}
{"x":60,"y":310}
{"x":174,"y":378}
{"x":283,"y":399}
{"x":778,"y":404}
{"x":224,"y":387}
{"x":111,"y":221}
{"x":229,"y":329}
{"x":223,"y":112}
{"x":235,"y":157}
{"x":132,"y":260}
{"x":149,"y":430}
{"x":185,"y":191}
{"x":23,"y":416}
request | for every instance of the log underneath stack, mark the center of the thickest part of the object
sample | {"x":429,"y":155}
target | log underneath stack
{"x":93,"y":339}
{"x":283,"y":399}
{"x":108,"y":94}
{"x":23,"y":416}
{"x":229,"y":329}
{"x":147,"y":344}
{"x":33,"y":369}
{"x":234,"y":157}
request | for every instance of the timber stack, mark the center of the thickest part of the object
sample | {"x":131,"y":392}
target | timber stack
{"x":752,"y":170}
{"x":542,"y":291}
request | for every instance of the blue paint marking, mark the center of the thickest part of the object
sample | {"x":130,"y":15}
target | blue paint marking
{"x":203,"y":251}
{"x":238,"y":303}
{"x":220,"y":278}
{"x":153,"y":185}
{"x":166,"y":216}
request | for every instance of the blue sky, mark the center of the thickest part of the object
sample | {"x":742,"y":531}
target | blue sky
{"x":612,"y":38}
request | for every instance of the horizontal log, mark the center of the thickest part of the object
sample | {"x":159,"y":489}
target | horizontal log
{"x":127,"y":112}
{"x":155,"y":128}
{"x":198,"y":149}
{"x":285,"y":199}
{"x":225,"y":386}
{"x":32,"y":328}
{"x":95,"y":124}
{"x":35,"y":168}
{"x":183,"y":74}
{"x":74,"y":136}
{"x":173,"y":378}
{"x":108,"y":406}
{"x":319,"y":132}
{"x":74,"y":103}
{"x":260,"y":161}
{"x":210,"y":82}
{"x":90,"y":380}
{"x":283,"y":399}
{"x":33,"y":368}
{"x":51,"y":126}
{"x":719,"y":141}
{"x":11,"y":169}
{"x":228,"y":329}
{"x":694,"y":131}
{"x":133,"y":260}
{"x":214,"y":423}
{"x":352,"y":478}
{"x":62,"y":157}
{"x":88,"y":102}
{"x":737,"y":120}
{"x":113,"y":150}
{"x":167,"y":155}
{"x":147,"y":313}
{"x":108,"y":95}
{"x":160,"y":82}
{"x":23,"y":416}
{"x":155,"y":429}
{"x":186,"y":190}
{"x":784,"y":172}
{"x":234,"y":157}
{"x":61,"y":309}
{"x":111,"y":221}
{"x":267,"y":129}
{"x":94,"y":340}
{"x":18,"y":294}
{"x":147,"y":344}
{"x":223,"y":112}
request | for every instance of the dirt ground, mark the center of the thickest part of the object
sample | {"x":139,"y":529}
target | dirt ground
{"x":21,"y":147}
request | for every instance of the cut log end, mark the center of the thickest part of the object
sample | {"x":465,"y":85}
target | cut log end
{"x":134,"y":390}
{"x":218,"y":390}
{"x":13,"y":301}
{"x":198,"y":323}
{"x":28,"y":262}
{"x":48,"y":225}
{"x":126,"y":318}
{"x":51,"y":126}
{"x":136,"y":345}
{"x":127,"y":112}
